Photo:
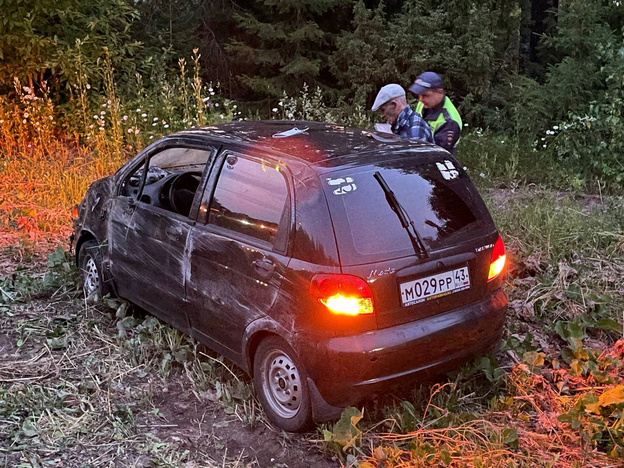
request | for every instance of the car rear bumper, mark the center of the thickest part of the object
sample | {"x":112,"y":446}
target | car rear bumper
{"x":347,"y":369}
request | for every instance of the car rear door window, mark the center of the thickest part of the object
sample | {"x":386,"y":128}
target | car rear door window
{"x":250,"y":198}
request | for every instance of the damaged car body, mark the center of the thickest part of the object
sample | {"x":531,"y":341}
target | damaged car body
{"x":328,"y":263}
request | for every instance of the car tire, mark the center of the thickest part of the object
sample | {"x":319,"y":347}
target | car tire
{"x":280,"y":381}
{"x":90,"y":264}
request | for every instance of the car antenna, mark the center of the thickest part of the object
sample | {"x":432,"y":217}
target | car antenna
{"x":406,"y":221}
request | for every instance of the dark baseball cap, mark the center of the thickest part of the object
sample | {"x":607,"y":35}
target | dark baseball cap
{"x":425,"y":82}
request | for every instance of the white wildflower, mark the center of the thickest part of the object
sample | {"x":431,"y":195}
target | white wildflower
{"x":129,"y":130}
{"x":166,"y":125}
{"x":138,"y":110}
{"x":125,"y":117}
{"x":155,"y":119}
{"x":274,"y":109}
{"x":24,"y":121}
{"x":482,"y":175}
{"x":88,"y":86}
{"x":206,"y":99}
{"x":136,"y":132}
{"x":154,"y":124}
{"x":144,"y":115}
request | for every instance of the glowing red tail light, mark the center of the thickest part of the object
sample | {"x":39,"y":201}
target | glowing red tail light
{"x":497,"y":261}
{"x":342,"y":294}
{"x":74,"y":212}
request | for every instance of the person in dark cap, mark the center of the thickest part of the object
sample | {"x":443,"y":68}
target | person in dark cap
{"x":392,"y":104}
{"x":437,"y":109}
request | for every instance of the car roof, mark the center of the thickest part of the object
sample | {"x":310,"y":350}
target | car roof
{"x":321,"y":145}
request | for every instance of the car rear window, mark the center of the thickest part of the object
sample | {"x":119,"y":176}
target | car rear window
{"x":436,"y":194}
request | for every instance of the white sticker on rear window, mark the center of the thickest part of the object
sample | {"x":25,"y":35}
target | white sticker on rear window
{"x":448,"y":170}
{"x":343,"y":185}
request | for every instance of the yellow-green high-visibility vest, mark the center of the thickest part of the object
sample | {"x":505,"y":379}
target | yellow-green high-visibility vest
{"x":448,"y":112}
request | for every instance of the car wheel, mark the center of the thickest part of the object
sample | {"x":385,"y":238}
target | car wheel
{"x":280,"y":381}
{"x":90,"y":263}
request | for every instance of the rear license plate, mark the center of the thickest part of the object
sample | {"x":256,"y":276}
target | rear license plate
{"x":434,"y":286}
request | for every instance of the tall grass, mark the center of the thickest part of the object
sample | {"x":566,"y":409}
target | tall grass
{"x":49,"y":154}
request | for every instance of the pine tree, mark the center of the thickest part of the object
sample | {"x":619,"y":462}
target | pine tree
{"x":283,"y":45}
{"x":364,"y":58}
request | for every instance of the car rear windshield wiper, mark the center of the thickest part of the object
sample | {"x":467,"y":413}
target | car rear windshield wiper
{"x":406,"y":221}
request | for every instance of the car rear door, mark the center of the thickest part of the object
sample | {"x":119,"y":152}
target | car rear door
{"x":449,"y":218}
{"x":237,"y":250}
{"x":148,"y":240}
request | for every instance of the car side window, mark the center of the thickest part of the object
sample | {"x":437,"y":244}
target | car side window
{"x":250,"y":198}
{"x":172,"y":179}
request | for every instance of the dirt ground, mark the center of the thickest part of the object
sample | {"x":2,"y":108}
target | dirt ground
{"x":114,"y":410}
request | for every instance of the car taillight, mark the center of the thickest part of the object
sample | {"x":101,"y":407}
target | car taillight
{"x":74,"y":212}
{"x":342,"y":294}
{"x":497,"y":261}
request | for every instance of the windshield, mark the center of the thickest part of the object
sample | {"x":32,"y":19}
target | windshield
{"x":442,"y":203}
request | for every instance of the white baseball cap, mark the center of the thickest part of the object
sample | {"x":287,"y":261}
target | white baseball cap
{"x":388,"y":92}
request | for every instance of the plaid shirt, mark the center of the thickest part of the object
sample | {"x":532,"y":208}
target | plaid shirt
{"x":411,"y":125}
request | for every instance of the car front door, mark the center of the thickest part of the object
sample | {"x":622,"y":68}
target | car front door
{"x":238,"y":250}
{"x":148,"y":233}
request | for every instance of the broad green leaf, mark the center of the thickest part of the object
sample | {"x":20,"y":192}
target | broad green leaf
{"x":345,"y":431}
{"x":29,"y":429}
{"x":613,"y":396}
{"x":533,"y":358}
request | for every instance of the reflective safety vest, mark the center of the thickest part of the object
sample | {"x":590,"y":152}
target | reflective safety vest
{"x":436,"y":118}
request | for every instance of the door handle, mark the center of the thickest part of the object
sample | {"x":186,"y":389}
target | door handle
{"x":264,"y":267}
{"x":174,"y":233}
{"x":130,"y":207}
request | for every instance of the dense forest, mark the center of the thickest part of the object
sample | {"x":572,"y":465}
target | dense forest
{"x":550,"y":73}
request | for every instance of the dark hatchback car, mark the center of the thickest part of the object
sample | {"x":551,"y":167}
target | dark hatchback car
{"x":327,"y":262}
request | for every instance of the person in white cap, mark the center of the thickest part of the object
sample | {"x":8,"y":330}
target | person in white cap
{"x":392,"y":104}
